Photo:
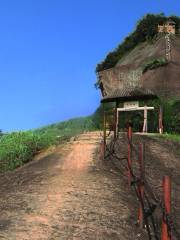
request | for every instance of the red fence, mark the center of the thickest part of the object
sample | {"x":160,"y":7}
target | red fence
{"x":148,"y":200}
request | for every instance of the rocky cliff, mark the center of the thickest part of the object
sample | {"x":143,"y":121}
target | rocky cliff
{"x":164,"y":81}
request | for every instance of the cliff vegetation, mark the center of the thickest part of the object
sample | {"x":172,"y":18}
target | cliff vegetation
{"x":146,"y":30}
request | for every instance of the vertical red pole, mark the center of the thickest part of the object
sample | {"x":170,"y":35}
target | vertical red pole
{"x":141,"y":184}
{"x":130,"y":133}
{"x":129,"y":154}
{"x":167,"y":205}
{"x":140,"y":211}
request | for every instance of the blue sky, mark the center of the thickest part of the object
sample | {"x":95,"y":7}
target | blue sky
{"x":49,"y":50}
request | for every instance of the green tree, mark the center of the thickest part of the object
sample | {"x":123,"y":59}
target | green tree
{"x":146,"y":29}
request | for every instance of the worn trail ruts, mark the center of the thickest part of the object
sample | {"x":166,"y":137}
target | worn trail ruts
{"x":65,"y":194}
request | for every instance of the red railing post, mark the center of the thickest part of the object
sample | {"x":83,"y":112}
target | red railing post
{"x":165,"y":234}
{"x":129,"y":154}
{"x":141,"y":184}
{"x":140,"y":210}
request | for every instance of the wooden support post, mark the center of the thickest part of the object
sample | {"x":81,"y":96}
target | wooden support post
{"x":117,"y":124}
{"x":141,"y":184}
{"x":116,"y":121}
{"x":104,"y":134}
{"x":145,"y":120}
{"x":129,"y":135}
{"x":165,"y":234}
{"x":160,"y":120}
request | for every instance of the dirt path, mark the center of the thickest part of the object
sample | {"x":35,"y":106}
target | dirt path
{"x":65,"y":194}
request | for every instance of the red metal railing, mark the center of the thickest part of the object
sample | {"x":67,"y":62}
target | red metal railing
{"x":149,"y":201}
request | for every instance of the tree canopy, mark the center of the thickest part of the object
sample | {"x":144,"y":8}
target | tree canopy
{"x":145,"y":30}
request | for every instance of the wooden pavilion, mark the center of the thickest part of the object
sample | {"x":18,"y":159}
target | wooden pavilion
{"x":128,"y":99}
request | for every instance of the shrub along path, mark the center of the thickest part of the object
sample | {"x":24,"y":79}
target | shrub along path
{"x":66,"y":193}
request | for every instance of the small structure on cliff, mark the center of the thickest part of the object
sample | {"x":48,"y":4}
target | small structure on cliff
{"x":128,"y":99}
{"x":131,"y":76}
{"x":123,"y":86}
{"x":168,"y":27}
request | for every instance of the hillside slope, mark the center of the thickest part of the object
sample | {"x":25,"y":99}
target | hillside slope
{"x":17,"y":148}
{"x":70,"y":127}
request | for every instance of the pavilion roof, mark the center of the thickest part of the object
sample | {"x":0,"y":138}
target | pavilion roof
{"x":129,"y":94}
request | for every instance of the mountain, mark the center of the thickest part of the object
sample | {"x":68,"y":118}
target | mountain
{"x":163,"y":80}
{"x":148,"y":58}
{"x":146,"y":65}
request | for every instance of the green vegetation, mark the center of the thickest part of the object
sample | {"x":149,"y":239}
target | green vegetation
{"x":146,"y":30}
{"x":155,"y":63}
{"x":18,"y":148}
{"x":171,"y":116}
{"x":68,"y":128}
{"x":97,"y":117}
{"x":172,"y":137}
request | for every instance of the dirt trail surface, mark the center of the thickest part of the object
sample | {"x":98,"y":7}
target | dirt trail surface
{"x":66,"y":193}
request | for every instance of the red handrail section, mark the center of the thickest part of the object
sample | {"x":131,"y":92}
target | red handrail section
{"x":149,"y":200}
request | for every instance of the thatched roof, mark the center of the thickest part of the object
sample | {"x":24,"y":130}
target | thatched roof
{"x":129,"y":94}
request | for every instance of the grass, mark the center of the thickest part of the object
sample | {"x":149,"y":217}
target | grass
{"x":172,"y":137}
{"x":168,"y":136}
{"x":18,"y":148}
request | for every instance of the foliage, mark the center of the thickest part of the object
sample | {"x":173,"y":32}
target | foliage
{"x":155,"y":63}
{"x":146,"y":30}
{"x":1,"y":133}
{"x":173,"y":137}
{"x":69,"y":128}
{"x":18,"y":148}
{"x":97,"y":117}
{"x":171,"y":116}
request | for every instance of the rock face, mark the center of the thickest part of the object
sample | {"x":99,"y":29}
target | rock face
{"x":164,"y":81}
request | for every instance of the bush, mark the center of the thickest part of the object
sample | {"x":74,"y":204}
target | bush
{"x":18,"y":148}
{"x":155,"y":63}
{"x":171,"y":116}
